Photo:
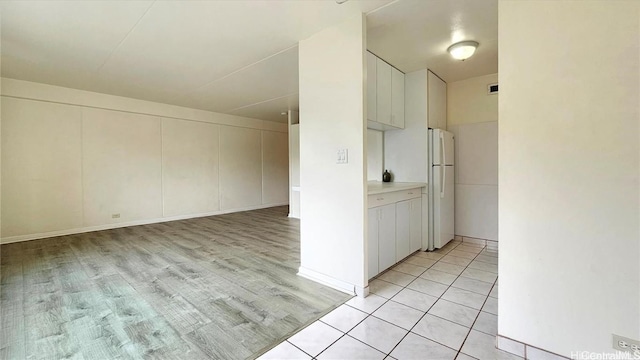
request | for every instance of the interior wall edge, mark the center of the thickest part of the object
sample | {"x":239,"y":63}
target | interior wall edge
{"x":50,"y":234}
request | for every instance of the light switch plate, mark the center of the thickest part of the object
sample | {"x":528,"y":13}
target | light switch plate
{"x":343,"y":156}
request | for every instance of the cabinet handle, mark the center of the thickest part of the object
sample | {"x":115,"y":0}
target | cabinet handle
{"x":379,"y":199}
{"x":411,"y":193}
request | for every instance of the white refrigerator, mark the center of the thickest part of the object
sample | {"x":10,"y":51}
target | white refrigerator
{"x":441,"y":188}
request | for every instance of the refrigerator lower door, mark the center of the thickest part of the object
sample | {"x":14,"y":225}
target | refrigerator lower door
{"x":443,"y":205}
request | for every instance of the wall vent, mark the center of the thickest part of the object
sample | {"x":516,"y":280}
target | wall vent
{"x":492,"y":89}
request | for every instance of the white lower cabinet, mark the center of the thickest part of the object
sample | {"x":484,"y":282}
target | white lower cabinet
{"x":394,"y":232}
{"x":415,"y":234}
{"x":374,"y":215}
{"x":403,"y":229}
{"x":387,"y":237}
{"x":408,"y":227}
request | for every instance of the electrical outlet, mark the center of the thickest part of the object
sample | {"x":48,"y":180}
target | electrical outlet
{"x":622,"y":343}
{"x":115,"y":216}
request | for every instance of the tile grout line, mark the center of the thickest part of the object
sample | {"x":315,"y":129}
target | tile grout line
{"x":482,"y":248}
{"x":386,"y":301}
{"x":481,"y":307}
{"x":476,"y":319}
{"x":440,"y":297}
{"x":430,"y":307}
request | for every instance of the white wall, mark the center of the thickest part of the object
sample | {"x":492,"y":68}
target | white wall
{"x":72,"y":159}
{"x":332,"y":117}
{"x":375,"y":157}
{"x":569,"y":170}
{"x":405,"y":151}
{"x":294,"y":164}
{"x":190,"y":177}
{"x":472,"y":115}
{"x":121,"y":166}
{"x":240,"y":167}
{"x":469,"y":103}
{"x":41,"y":167}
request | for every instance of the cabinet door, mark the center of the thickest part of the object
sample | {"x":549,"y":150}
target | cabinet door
{"x":387,"y":237}
{"x":415,"y":224}
{"x":371,"y":86}
{"x":437,"y":100}
{"x":374,"y":215}
{"x":383,"y":92}
{"x":403,"y":229}
{"x":397,"y":98}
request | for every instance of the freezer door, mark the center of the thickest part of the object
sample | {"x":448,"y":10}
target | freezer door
{"x":443,"y":202}
{"x":442,"y":147}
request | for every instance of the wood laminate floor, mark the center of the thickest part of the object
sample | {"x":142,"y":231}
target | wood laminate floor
{"x":221,"y":287}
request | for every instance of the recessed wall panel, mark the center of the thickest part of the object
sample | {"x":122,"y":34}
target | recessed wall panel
{"x":275,"y":168}
{"x":240,"y":168}
{"x":121,"y":167}
{"x":41,"y":167}
{"x":189,"y":167}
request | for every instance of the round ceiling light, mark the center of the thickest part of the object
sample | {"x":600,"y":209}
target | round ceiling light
{"x":463,"y":50}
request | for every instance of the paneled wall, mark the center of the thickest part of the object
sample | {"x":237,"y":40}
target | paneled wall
{"x":190,"y":153}
{"x":72,"y":167}
{"x":473,"y":118}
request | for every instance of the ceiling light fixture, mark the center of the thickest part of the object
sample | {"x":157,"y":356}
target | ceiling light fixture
{"x":463,"y":50}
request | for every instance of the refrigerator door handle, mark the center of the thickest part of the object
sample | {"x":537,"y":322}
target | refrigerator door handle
{"x":443,"y":155}
{"x":443,"y":184}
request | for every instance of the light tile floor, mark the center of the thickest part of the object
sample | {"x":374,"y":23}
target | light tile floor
{"x":433,"y":305}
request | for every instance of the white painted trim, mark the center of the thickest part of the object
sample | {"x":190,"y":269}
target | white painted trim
{"x":328,"y":281}
{"x":56,"y":94}
{"x":362,"y":292}
{"x":27,"y":237}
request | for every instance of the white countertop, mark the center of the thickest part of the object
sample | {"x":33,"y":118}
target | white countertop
{"x":378,"y":187}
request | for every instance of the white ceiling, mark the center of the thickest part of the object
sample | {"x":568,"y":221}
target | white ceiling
{"x":235,"y":57}
{"x":415,"y":34}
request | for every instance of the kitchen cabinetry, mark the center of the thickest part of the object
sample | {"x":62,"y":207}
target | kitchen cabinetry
{"x":408,"y":227}
{"x":437,"y":102}
{"x":385,"y":95}
{"x":386,"y":236}
{"x":394,"y":228}
{"x":371,"y":86}
{"x":397,"y":98}
{"x":383,"y":92}
{"x":405,"y":152}
{"x":372,"y":241}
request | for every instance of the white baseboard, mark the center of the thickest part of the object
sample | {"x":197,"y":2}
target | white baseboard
{"x":362,"y":291}
{"x":27,"y":237}
{"x":329,"y":281}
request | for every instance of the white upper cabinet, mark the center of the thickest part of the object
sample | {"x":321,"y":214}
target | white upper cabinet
{"x":397,"y":98}
{"x":385,"y":95}
{"x":437,"y":102}
{"x":371,"y":86}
